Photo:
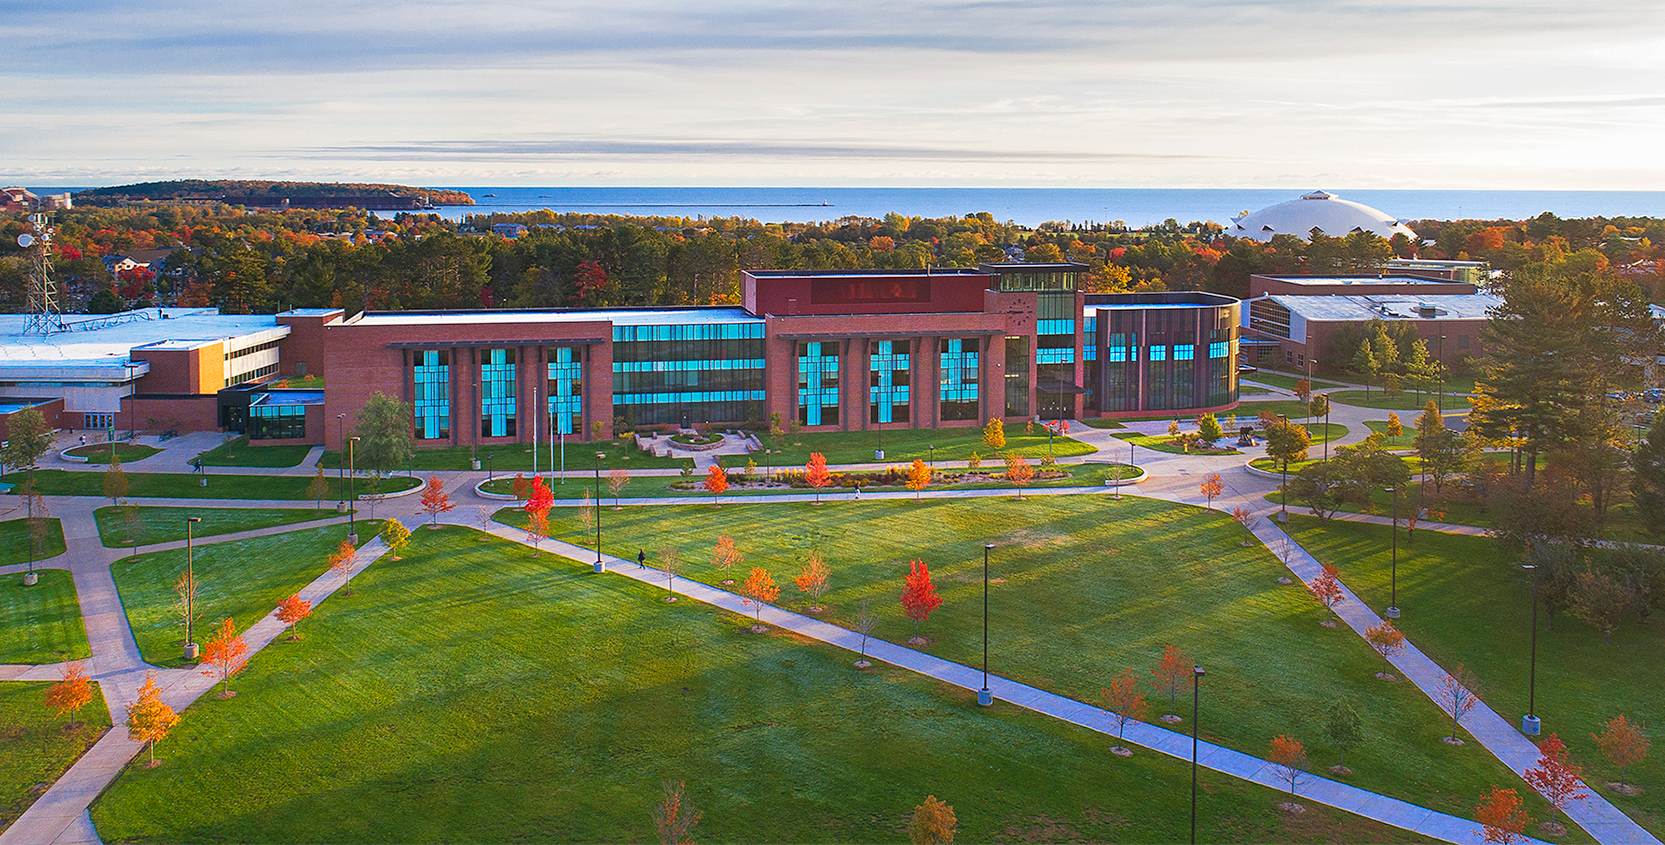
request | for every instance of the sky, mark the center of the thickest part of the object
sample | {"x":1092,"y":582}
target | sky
{"x":1450,"y":94}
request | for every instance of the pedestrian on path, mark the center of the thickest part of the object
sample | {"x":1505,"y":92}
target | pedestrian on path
{"x":641,"y":558}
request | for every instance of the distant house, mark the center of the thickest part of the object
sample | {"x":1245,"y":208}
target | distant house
{"x":508,"y":230}
{"x":19,"y":199}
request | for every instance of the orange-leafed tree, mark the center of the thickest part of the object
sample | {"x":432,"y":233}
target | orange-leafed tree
{"x":1555,"y":777}
{"x":919,"y":595}
{"x":1622,"y":743}
{"x":224,"y":654}
{"x":1289,"y":760}
{"x":520,"y":488}
{"x":1327,"y":589}
{"x":1387,"y":640}
{"x":538,"y":502}
{"x":291,"y":611}
{"x":341,"y":563}
{"x":617,"y":480}
{"x":725,"y":554}
{"x":674,"y":817}
{"x":435,"y":500}
{"x":760,"y":589}
{"x":1019,"y":472}
{"x":919,"y":477}
{"x":813,"y":580}
{"x":71,"y":693}
{"x":1244,"y":517}
{"x":716,"y":481}
{"x":816,"y":474}
{"x":1171,"y":673}
{"x":1502,"y":818}
{"x":933,"y":823}
{"x":149,"y":718}
{"x":1124,"y":699}
{"x":1211,"y":488}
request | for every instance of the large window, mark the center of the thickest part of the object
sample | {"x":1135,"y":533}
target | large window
{"x":888,"y":382}
{"x":1017,"y":376}
{"x":818,"y":383}
{"x":957,"y":387}
{"x":277,"y":422}
{"x":566,"y":389}
{"x":497,"y":393}
{"x":686,"y":374}
{"x":431,"y":389}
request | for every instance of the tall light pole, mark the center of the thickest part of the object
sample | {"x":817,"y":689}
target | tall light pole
{"x":1530,"y":724}
{"x":1283,"y":495}
{"x":1393,"y":579}
{"x":1196,"y":697}
{"x":352,"y":492}
{"x":599,"y":565}
{"x":984,"y":697}
{"x":190,"y":590}
{"x":933,"y":452}
{"x":1439,"y":390}
{"x":535,"y":415}
{"x":340,"y":468}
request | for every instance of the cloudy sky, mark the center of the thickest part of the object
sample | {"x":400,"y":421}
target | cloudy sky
{"x":1139,"y":93}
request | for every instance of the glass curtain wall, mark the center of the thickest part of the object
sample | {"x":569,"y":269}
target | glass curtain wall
{"x":1017,"y":377}
{"x":497,"y":393}
{"x":431,"y":390}
{"x":957,"y":389}
{"x":1055,"y":321}
{"x":888,"y":382}
{"x":566,"y":388}
{"x":687,"y":374}
{"x":818,"y":383}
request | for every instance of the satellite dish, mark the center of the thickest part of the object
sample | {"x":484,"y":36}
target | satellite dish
{"x":25,"y":240}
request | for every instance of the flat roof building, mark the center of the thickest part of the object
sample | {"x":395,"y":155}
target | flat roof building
{"x":1294,"y":329}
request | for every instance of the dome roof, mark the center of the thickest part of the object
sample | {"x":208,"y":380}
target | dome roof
{"x":1320,"y":210}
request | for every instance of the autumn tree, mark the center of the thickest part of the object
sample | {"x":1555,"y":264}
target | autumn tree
{"x":1124,"y":699}
{"x":538,"y":502}
{"x":1622,"y":742}
{"x":1319,"y":406}
{"x":1246,"y":518}
{"x":617,"y":480}
{"x":73,"y":691}
{"x":1598,"y":600}
{"x":292,"y":610}
{"x":341,"y":563}
{"x":994,"y":434}
{"x":1303,"y":389}
{"x":1019,"y":472}
{"x":816,"y":474}
{"x":813,"y":580}
{"x":1211,"y":488}
{"x":1209,"y":430}
{"x":1387,"y":640}
{"x":725,"y":554}
{"x":318,"y":489}
{"x":1327,"y":589}
{"x":1289,"y":760}
{"x":674,"y":817}
{"x":716,"y":481}
{"x":933,"y":823}
{"x":1344,"y":728}
{"x":1555,"y":777}
{"x":670,"y":562}
{"x":1394,"y":427}
{"x":115,"y":480}
{"x":1457,"y":694}
{"x":1171,"y":672}
{"x":149,"y":718}
{"x":760,"y":589}
{"x":919,"y":595}
{"x":396,"y":536}
{"x":919,"y":476}
{"x":225,"y":652}
{"x":520,"y":487}
{"x":1502,"y":818}
{"x":587,"y":515}
{"x":435,"y":500}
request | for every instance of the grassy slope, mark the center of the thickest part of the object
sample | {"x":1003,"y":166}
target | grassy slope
{"x":243,"y":579}
{"x":34,"y":747}
{"x":238,"y":453}
{"x":1464,"y":601}
{"x":161,"y":525}
{"x":14,"y":541}
{"x":472,"y":693}
{"x":41,"y":624}
{"x":1085,"y":587}
{"x":54,"y":482}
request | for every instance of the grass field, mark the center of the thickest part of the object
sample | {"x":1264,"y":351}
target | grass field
{"x":162,"y":525}
{"x":54,"y":482}
{"x":1406,"y":440}
{"x":1165,"y":443}
{"x":34,"y":747}
{"x":471,"y":693}
{"x":517,"y":457}
{"x":1465,"y":601}
{"x":14,"y":541}
{"x":1285,"y":380}
{"x":99,"y":453}
{"x":1406,"y":401}
{"x":238,"y":453}
{"x":1292,"y":408}
{"x":1085,"y":586}
{"x":243,"y":579}
{"x":41,"y":624}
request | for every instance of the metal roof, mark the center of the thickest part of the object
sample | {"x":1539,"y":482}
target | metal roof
{"x":1389,"y":306}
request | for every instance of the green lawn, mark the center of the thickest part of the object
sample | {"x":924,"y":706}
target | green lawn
{"x":243,"y":579}
{"x":907,"y":445}
{"x":34,"y":747}
{"x":1314,"y":456}
{"x":1296,"y":410}
{"x":517,"y":457}
{"x":1403,"y":441}
{"x":99,"y":453}
{"x":162,"y":525}
{"x":1407,"y":400}
{"x":1465,"y":601}
{"x":471,"y":693}
{"x":238,"y":453}
{"x":54,"y":482}
{"x":41,"y":624}
{"x":14,"y":541}
{"x":1285,"y":381}
{"x":1086,"y":586}
{"x":1165,"y":443}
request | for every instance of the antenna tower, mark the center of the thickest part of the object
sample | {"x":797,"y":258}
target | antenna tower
{"x":45,"y":315}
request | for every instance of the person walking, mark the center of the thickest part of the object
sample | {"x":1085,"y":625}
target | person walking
{"x":641,"y":558}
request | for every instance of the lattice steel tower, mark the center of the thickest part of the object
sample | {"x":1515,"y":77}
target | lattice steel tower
{"x":45,"y":314}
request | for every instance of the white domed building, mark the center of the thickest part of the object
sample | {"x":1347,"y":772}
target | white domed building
{"x":1319,"y":210}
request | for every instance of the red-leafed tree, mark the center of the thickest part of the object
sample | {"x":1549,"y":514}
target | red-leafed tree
{"x":435,"y":500}
{"x":813,"y":580}
{"x":225,"y":653}
{"x":1124,"y":700}
{"x":591,"y":280}
{"x":1555,"y":777}
{"x":815,"y":472}
{"x":1327,"y":589}
{"x":1171,"y":672}
{"x":1387,"y":640}
{"x":520,"y":488}
{"x":291,"y":611}
{"x":760,"y":589}
{"x":725,"y":554}
{"x":675,"y":816}
{"x":1211,"y":488}
{"x":538,"y":502}
{"x":1289,"y":760}
{"x":71,"y":693}
{"x":341,"y":563}
{"x":1622,"y":743}
{"x":716,"y":481}
{"x":1502,"y":818}
{"x":919,"y":595}
{"x":1019,"y":472}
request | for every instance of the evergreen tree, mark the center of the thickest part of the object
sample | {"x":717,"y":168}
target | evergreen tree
{"x":1648,"y":480}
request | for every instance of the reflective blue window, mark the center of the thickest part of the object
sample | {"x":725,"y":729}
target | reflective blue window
{"x":497,"y":393}
{"x":566,"y":389}
{"x":957,"y":388}
{"x":818,"y":383}
{"x":431,"y":390}
{"x":889,"y":381}
{"x":1184,"y":351}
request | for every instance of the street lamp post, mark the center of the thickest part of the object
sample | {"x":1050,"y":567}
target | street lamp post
{"x":340,"y":468}
{"x":1530,"y":724}
{"x":599,"y":565}
{"x":190,"y":590}
{"x":1196,"y":697}
{"x":1393,"y":578}
{"x":1283,"y":494}
{"x":984,"y":697}
{"x":1326,"y":427}
{"x":534,"y":416}
{"x":933,"y":452}
{"x":489,"y":459}
{"x":1439,"y":389}
{"x":352,"y":491}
